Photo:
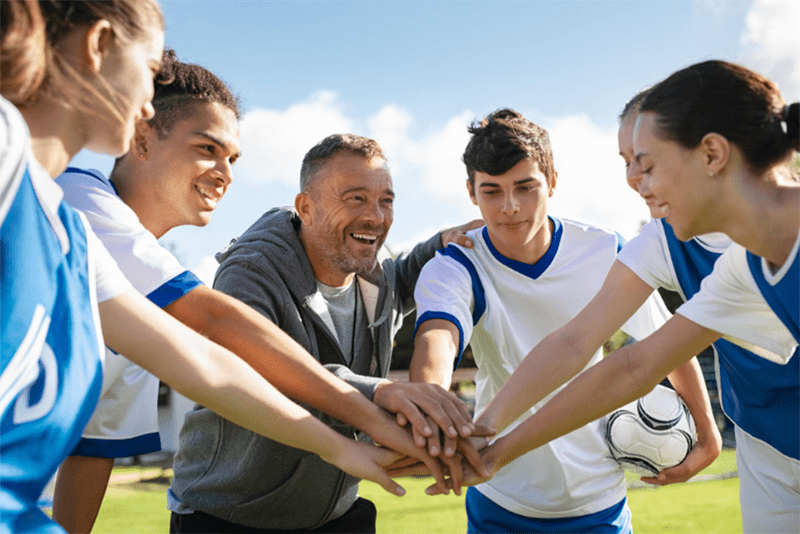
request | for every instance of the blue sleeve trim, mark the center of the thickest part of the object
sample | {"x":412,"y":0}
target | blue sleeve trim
{"x":118,"y":448}
{"x":427,"y":316}
{"x":477,"y":287}
{"x":173,"y":289}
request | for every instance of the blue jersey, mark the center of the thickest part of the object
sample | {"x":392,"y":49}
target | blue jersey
{"x":784,"y":295}
{"x":50,"y":362}
{"x":760,"y":396}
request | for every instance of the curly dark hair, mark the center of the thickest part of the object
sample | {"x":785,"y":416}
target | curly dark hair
{"x":179,"y":86}
{"x":503,"y":139}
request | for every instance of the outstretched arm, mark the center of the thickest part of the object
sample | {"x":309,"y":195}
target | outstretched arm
{"x":286,"y":365}
{"x":565,"y":352}
{"x":435,"y":350}
{"x":217,"y":379}
{"x":622,"y":377}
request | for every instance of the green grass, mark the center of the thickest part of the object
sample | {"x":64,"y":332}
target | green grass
{"x":711,"y":506}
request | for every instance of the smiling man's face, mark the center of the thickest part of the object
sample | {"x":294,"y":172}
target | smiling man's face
{"x":346,"y":215}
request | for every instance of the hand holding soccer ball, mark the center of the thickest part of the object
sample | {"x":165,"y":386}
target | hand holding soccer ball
{"x":652,"y":433}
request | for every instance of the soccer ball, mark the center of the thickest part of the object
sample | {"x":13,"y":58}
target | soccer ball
{"x":652,"y":433}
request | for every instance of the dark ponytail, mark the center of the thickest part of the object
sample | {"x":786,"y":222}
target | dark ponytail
{"x":737,"y":103}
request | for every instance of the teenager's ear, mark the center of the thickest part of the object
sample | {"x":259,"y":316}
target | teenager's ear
{"x":716,"y":151}
{"x":303,"y":203}
{"x":471,"y":191}
{"x":140,"y":144}
{"x":552,"y":185}
{"x":97,"y":43}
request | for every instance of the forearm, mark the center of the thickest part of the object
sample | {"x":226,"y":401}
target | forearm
{"x":564,"y":353}
{"x":623,"y":376}
{"x":435,"y":349}
{"x":273,"y":354}
{"x":689,"y":384}
{"x":208,"y":373}
{"x":555,"y":360}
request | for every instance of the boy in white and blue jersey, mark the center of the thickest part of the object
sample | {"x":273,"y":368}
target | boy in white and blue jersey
{"x":53,"y":273}
{"x":183,"y":159}
{"x":125,"y":422}
{"x":527,"y":275}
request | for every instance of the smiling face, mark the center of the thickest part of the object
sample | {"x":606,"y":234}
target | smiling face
{"x":189,"y":171}
{"x":514,"y":207}
{"x":675,"y":182}
{"x":346,"y":214}
{"x":128,"y":68}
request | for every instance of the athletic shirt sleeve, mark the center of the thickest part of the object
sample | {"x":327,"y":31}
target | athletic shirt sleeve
{"x":14,"y":140}
{"x":730,"y":303}
{"x":444,"y":291}
{"x":646,"y":256}
{"x":151,"y":269}
{"x":109,"y":280}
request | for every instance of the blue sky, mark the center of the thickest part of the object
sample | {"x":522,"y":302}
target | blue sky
{"x":412,"y":75}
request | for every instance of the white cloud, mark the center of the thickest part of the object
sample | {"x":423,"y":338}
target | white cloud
{"x":427,"y":168}
{"x":274,"y":142}
{"x":771,"y":43}
{"x":205,"y":269}
{"x":438,"y":157}
{"x":390,"y":128}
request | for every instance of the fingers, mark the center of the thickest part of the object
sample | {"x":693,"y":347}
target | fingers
{"x":386,"y":482}
{"x":436,"y":471}
{"x":435,"y":489}
{"x":450,"y":446}
{"x":469,"y":449}
{"x":434,"y":444}
{"x":419,"y":439}
{"x":483,"y":431}
{"x":446,"y":410}
{"x":454,"y":467}
{"x":674,"y":475}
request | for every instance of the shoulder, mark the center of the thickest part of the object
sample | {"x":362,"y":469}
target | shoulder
{"x":14,"y":140}
{"x":578,"y":234}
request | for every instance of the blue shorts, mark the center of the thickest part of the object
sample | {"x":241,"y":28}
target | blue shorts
{"x":484,"y":516}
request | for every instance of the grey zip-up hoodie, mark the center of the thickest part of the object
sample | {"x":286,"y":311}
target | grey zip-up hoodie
{"x":242,"y":477}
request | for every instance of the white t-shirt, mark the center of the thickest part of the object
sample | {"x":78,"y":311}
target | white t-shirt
{"x":503,"y":309}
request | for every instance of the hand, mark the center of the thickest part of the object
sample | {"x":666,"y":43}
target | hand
{"x":367,"y":462}
{"x":384,"y":430}
{"x":467,"y":462}
{"x":410,"y":400}
{"x":458,"y":234}
{"x":704,"y":452}
{"x":469,"y":477}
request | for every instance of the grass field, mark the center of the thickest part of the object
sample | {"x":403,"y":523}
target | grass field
{"x":134,"y":504}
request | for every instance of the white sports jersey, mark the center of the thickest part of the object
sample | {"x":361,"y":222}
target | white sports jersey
{"x":125,"y":422}
{"x":504,"y":308}
{"x":53,"y":272}
{"x":735,"y":300}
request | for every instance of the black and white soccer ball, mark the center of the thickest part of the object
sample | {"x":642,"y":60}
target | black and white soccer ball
{"x":652,"y":433}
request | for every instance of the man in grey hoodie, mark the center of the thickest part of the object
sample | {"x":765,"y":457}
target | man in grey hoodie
{"x":320,"y":273}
